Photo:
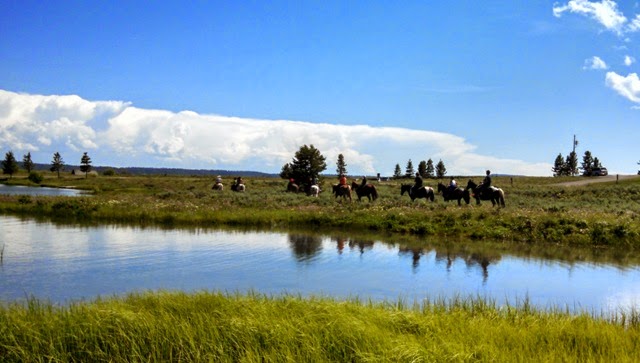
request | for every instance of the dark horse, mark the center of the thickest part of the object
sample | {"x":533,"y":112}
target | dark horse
{"x":293,"y":188}
{"x":457,"y":194}
{"x":343,"y":191}
{"x":424,"y":192}
{"x":367,"y":190}
{"x":495,"y":195}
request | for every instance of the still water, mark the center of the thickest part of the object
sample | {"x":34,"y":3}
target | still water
{"x":68,"y":263}
{"x":26,"y":190}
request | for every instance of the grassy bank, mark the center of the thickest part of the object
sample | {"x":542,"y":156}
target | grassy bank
{"x":222,"y":328}
{"x":538,"y":210}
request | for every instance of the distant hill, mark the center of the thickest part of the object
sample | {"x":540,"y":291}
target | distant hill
{"x":162,"y":171}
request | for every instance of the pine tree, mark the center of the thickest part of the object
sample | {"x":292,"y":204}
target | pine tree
{"x":441,"y":170}
{"x":397,"y":172}
{"x":308,"y":163}
{"x":57,"y":163}
{"x":596,"y":163}
{"x":286,"y":172}
{"x":422,"y":168}
{"x":587,"y":163}
{"x":430,"y":169}
{"x":409,"y":171}
{"x":85,"y":165}
{"x":341,"y":166}
{"x":572,"y":164}
{"x":558,"y":166}
{"x":27,"y":163}
{"x":9,"y":164}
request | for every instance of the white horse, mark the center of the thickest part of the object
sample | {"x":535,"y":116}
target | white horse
{"x":218,"y":186}
{"x":314,"y":191}
{"x":238,"y":188}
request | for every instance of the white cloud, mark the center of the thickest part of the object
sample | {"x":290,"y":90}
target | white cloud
{"x":634,"y":25}
{"x":187,"y":139}
{"x":594,"y":63}
{"x":605,"y":12}
{"x":629,"y":60}
{"x":628,"y":87}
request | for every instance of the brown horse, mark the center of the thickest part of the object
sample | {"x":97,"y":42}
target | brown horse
{"x":495,"y":195}
{"x":367,"y":190}
{"x":455,"y":194}
{"x":343,"y":191}
{"x":424,"y":192}
{"x":293,"y":188}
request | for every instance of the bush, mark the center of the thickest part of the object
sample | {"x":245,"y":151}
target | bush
{"x":109,"y":172}
{"x":36,"y":177}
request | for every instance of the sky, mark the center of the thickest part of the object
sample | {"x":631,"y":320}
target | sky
{"x":242,"y":85}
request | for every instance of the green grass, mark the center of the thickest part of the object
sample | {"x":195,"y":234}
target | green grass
{"x":538,"y":210}
{"x":215,"y":327}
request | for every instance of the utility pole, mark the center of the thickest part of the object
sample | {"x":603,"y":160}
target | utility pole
{"x":575,"y":143}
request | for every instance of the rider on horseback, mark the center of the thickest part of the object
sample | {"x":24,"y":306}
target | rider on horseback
{"x":452,"y":184}
{"x":364,"y":181}
{"x":417,"y":183}
{"x":486,"y":183}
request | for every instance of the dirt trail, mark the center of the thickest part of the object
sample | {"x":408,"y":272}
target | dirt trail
{"x":596,"y":179}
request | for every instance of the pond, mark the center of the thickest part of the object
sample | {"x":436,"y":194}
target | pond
{"x":27,"y":190}
{"x":66,"y":263}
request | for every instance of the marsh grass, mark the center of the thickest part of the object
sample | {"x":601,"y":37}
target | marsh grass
{"x":217,"y":327}
{"x":538,"y":210}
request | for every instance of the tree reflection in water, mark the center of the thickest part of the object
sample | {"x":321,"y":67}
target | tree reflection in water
{"x":305,"y":247}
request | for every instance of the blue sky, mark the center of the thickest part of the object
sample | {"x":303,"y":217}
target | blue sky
{"x":241,"y":85}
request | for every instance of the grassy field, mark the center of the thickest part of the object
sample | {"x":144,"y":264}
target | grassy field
{"x":214,"y":327}
{"x":538,"y":209}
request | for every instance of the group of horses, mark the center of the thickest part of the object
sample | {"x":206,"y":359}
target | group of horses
{"x":234,"y":187}
{"x":311,"y":190}
{"x":473,"y":190}
{"x":495,"y":195}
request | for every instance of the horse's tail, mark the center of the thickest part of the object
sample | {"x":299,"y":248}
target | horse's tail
{"x":501,"y":197}
{"x":374,"y":192}
{"x":466,"y":196}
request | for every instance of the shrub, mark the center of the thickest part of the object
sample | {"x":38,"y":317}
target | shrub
{"x":109,"y":172}
{"x":36,"y":177}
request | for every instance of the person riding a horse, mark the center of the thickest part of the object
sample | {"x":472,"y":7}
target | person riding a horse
{"x":364,"y":181}
{"x":486,"y":183}
{"x":452,"y":184}
{"x":342,"y":180}
{"x":417,"y":183}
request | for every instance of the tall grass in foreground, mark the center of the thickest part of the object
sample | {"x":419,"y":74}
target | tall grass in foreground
{"x":218,"y":327}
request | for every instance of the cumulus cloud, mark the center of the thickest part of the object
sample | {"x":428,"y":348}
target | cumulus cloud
{"x":628,"y":87}
{"x":629,"y":60}
{"x":120,"y":131}
{"x":595,"y":63}
{"x":605,"y":12}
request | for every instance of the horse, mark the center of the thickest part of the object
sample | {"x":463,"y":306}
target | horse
{"x":367,"y":190}
{"x":457,"y":194}
{"x":423,"y":192}
{"x":217,"y":186}
{"x":342,"y":190}
{"x":293,"y":188}
{"x":238,"y":187}
{"x":495,"y":195}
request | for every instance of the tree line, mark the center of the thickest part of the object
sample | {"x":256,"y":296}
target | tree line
{"x":308,"y":163}
{"x":569,"y":166}
{"x":10,"y":165}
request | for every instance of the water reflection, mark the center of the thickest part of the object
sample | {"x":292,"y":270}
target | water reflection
{"x":64,"y":262}
{"x":305,"y":247}
{"x":34,"y":191}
